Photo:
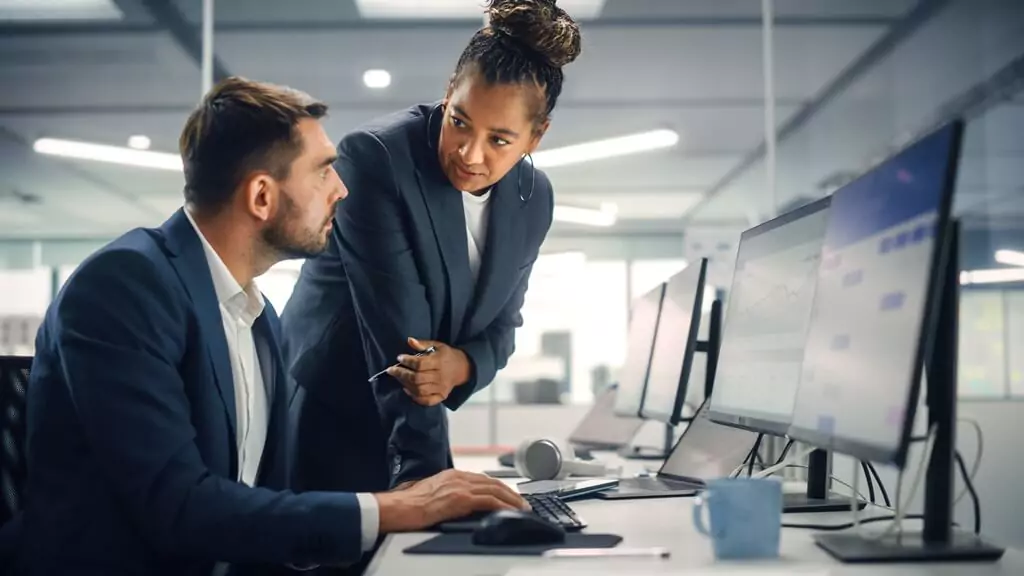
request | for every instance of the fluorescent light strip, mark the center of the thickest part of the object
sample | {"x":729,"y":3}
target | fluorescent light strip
{"x":1010,"y":257}
{"x":427,"y":9}
{"x":607,"y":148}
{"x":606,"y":216}
{"x":111,"y":154}
{"x":992,"y":276}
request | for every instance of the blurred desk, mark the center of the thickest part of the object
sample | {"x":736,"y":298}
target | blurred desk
{"x":661,"y":522}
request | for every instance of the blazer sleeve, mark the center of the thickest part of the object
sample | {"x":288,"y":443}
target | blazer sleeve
{"x":121,"y":333}
{"x":489,"y":352}
{"x":390,"y":301}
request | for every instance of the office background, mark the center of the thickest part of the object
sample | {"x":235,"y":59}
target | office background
{"x":847,"y":83}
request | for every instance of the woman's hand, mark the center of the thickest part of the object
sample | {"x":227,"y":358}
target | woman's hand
{"x":430,"y":378}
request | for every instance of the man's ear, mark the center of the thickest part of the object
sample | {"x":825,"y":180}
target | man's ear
{"x":260,"y":196}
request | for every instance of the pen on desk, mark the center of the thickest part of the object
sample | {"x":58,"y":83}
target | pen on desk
{"x":429,"y":350}
{"x":655,"y":552}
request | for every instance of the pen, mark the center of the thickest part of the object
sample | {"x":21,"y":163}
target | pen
{"x":429,"y":350}
{"x":655,"y":552}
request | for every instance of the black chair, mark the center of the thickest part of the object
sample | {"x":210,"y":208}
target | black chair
{"x":14,"y":371}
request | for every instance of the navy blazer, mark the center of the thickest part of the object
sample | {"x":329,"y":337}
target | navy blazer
{"x":398,"y":266}
{"x":132,"y":456}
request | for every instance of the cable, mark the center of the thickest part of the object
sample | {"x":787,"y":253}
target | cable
{"x":841,"y":482}
{"x":977,"y":459}
{"x":785,"y":451}
{"x":753,"y":454}
{"x":901,"y":511}
{"x":867,"y":475}
{"x":881,"y":486}
{"x":773,"y":469}
{"x":848,"y":525}
{"x":970,"y":488}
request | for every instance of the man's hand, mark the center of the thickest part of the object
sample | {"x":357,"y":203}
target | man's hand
{"x":445,"y":496}
{"x":430,"y":378}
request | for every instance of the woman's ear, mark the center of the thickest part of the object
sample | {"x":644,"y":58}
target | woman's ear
{"x":537,"y":136}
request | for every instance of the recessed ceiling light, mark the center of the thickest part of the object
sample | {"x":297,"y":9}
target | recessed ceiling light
{"x":1010,"y":257}
{"x":377,"y":79}
{"x":105,"y":153}
{"x":607,"y":148}
{"x":606,"y":216}
{"x":139,"y":142}
{"x":59,"y":10}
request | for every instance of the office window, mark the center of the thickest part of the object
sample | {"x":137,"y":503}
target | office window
{"x":646,"y":274}
{"x":1015,"y":341}
{"x":982,"y":355}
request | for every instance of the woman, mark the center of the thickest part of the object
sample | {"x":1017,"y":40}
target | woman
{"x":432,"y":249}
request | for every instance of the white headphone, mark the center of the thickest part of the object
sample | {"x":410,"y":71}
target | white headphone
{"x":547,"y":459}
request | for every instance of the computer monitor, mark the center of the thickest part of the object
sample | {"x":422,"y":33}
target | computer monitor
{"x":766,"y":321}
{"x":643,"y":325}
{"x":886,"y":307}
{"x":875,"y":303}
{"x":674,"y":344}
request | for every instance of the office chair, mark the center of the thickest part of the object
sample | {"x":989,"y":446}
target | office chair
{"x":14,"y":372}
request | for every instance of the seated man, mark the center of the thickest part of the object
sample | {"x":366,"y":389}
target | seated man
{"x":157,"y":403}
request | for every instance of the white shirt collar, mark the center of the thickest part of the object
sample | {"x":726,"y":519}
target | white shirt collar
{"x":246,"y":304}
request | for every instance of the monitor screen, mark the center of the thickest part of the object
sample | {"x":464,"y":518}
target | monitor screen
{"x":643,"y":324}
{"x":674,"y":344}
{"x":766,"y":320}
{"x":602,"y":429}
{"x":707,"y":450}
{"x":877,"y":287}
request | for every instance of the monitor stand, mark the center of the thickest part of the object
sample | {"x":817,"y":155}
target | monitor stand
{"x":818,"y":498}
{"x":938,"y":541}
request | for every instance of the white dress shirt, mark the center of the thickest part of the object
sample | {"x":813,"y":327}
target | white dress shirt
{"x":476,"y":209}
{"x":239,"y":309}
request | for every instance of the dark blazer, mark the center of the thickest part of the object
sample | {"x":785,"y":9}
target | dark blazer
{"x":132,"y":457}
{"x":398,"y":266}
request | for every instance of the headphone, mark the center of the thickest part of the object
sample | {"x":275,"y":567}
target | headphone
{"x":519,"y":165}
{"x":548,"y":459}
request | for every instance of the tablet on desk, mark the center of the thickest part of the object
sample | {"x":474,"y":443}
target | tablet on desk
{"x":567,"y":489}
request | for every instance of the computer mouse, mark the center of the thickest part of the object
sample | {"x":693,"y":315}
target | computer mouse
{"x":517,"y":528}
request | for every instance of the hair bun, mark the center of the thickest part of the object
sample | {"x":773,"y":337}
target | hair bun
{"x":540,"y":25}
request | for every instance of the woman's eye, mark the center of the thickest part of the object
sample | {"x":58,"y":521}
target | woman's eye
{"x":457,"y":123}
{"x":501,"y":142}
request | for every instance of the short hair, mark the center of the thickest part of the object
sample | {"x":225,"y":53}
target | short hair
{"x":525,"y":42}
{"x":239,"y":127}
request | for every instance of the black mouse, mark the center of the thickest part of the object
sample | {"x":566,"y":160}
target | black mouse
{"x":517,"y":528}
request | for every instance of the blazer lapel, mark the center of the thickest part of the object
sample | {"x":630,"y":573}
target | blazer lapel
{"x":506,"y":231}
{"x":190,"y":263}
{"x":448,"y":221}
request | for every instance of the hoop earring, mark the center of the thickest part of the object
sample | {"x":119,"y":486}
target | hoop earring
{"x":519,"y":178}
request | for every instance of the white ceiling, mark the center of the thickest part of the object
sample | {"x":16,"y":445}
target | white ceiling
{"x":693,"y":65}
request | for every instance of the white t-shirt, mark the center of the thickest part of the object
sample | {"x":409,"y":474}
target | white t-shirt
{"x":476,"y":209}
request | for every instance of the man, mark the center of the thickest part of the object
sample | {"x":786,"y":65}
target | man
{"x":157,"y":407}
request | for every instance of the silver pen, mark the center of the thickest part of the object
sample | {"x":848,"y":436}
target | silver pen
{"x":653,"y":552}
{"x":429,"y":350}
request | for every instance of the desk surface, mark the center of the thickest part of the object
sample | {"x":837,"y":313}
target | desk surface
{"x":662,"y":522}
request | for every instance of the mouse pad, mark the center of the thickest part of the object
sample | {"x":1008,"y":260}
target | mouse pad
{"x":462,"y":543}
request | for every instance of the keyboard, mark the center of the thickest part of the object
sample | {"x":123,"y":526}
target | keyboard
{"x":548,"y":506}
{"x":553,"y":509}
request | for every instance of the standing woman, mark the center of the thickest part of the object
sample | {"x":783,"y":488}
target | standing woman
{"x":433,"y":248}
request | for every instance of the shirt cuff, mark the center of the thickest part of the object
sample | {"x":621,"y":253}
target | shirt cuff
{"x":369,"y":519}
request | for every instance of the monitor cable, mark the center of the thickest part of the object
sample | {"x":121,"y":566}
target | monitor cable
{"x":754,"y":452}
{"x":969,"y":484}
{"x":867,"y":476}
{"x":881,"y":486}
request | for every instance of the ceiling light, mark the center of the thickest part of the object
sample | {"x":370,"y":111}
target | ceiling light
{"x":420,"y":9}
{"x":59,"y":10}
{"x":104,"y":153}
{"x":377,"y":79}
{"x":606,"y":216}
{"x":607,"y":148}
{"x":992,"y":276}
{"x":139,"y":142}
{"x":1010,"y":257}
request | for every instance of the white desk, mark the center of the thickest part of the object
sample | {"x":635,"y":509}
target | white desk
{"x":662,"y":522}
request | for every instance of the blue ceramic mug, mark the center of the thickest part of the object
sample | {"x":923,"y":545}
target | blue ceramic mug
{"x":745,"y":517}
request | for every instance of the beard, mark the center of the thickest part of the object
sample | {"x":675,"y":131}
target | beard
{"x":286,"y":237}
